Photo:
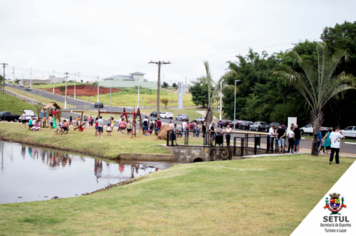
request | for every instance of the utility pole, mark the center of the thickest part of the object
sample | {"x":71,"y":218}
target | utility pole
{"x":3,"y":79}
{"x":98,"y":90}
{"x":30,"y":77}
{"x":65,"y":96}
{"x":159,"y":63}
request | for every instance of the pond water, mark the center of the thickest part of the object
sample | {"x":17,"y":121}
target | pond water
{"x":30,"y":173}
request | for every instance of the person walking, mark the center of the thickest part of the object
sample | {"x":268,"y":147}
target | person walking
{"x":327,"y":141}
{"x":297,"y":139}
{"x":291,"y":139}
{"x":335,"y":145}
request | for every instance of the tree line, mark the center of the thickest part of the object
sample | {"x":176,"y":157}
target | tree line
{"x":264,"y":94}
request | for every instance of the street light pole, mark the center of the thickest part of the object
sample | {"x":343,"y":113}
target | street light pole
{"x":235,"y":106}
{"x":110,"y":98}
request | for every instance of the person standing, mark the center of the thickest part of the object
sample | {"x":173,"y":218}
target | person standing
{"x":100,"y":126}
{"x":281,"y":133}
{"x":271,"y":134}
{"x":198,"y":129}
{"x":203,"y":129}
{"x":184,"y":128}
{"x":335,"y":144}
{"x":159,"y":124}
{"x":23,"y":119}
{"x":291,"y":139}
{"x":320,"y":136}
{"x":70,"y":120}
{"x":212,"y":134}
{"x":96,"y":126}
{"x":50,"y":122}
{"x":297,"y":139}
{"x":327,"y":141}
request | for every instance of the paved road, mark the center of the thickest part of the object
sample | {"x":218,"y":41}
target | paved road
{"x":305,"y":143}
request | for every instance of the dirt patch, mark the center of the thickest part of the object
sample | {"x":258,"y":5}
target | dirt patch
{"x":83,"y":90}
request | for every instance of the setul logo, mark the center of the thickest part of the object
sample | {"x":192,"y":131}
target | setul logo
{"x":334,"y":206}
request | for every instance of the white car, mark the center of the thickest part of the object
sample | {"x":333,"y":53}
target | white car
{"x":349,"y":131}
{"x":308,"y":129}
{"x":166,"y":115}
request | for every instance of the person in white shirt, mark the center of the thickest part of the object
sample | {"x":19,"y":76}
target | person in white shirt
{"x":100,"y":126}
{"x":271,"y":135}
{"x":291,"y":138}
{"x":335,"y":144}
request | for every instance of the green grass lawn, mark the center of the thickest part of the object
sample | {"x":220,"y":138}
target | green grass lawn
{"x":38,"y":98}
{"x":13,"y":104}
{"x":260,"y":196}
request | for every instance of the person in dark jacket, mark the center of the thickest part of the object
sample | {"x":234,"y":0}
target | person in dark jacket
{"x":297,"y":139}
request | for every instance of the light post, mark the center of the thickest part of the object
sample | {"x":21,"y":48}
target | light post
{"x":110,"y":98}
{"x":65,"y":98}
{"x":235,"y":107}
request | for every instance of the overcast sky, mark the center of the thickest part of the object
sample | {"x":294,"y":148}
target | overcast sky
{"x":111,"y":37}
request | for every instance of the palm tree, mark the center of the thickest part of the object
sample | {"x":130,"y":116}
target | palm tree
{"x":209,"y":113}
{"x":317,"y":84}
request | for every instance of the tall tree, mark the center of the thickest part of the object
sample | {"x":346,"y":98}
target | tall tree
{"x":342,"y":36}
{"x":199,"y":91}
{"x":317,"y":84}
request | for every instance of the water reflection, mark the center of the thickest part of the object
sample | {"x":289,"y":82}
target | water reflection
{"x":29,"y":173}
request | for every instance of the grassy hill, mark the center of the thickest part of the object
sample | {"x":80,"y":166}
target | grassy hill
{"x":13,"y":104}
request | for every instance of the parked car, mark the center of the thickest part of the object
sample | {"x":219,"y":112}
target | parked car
{"x":245,"y":125}
{"x":97,"y":104}
{"x":200,"y":119}
{"x":21,"y":85}
{"x":154,"y":113}
{"x":308,"y":129}
{"x":259,"y":126}
{"x":6,"y":115}
{"x":166,"y":115}
{"x":235,"y":123}
{"x":349,"y":131}
{"x":225,"y":122}
{"x":182,"y":117}
{"x":274,"y":123}
{"x":28,"y":89}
